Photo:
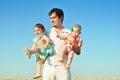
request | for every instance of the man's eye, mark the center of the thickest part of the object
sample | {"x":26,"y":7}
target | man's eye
{"x":54,"y":17}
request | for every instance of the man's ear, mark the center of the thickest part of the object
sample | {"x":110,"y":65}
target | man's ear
{"x":61,"y":18}
{"x":79,"y":32}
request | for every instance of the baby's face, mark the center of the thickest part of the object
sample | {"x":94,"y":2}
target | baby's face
{"x":76,"y":32}
{"x":37,"y":31}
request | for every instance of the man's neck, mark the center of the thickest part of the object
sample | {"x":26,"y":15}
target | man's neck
{"x":58,"y":29}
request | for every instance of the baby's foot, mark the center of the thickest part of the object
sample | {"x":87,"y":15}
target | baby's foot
{"x":36,"y":76}
{"x":67,"y":66}
{"x":27,"y":52}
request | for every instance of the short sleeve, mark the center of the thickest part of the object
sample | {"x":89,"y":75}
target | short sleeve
{"x":35,"y":40}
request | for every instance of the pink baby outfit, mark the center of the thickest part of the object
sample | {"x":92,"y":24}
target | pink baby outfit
{"x":68,"y":44}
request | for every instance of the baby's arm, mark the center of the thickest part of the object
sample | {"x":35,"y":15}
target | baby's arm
{"x":47,"y":41}
{"x":70,"y":38}
{"x":39,"y":43}
{"x":62,"y":36}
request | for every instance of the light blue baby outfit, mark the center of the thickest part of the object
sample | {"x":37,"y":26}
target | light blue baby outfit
{"x":45,"y":52}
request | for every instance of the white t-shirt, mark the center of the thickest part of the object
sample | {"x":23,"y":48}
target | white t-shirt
{"x":57,"y":45}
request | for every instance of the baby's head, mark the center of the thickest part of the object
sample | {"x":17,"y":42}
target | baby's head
{"x":77,"y":28}
{"x":39,"y":29}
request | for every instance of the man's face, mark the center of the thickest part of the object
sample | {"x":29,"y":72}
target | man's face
{"x":55,"y":20}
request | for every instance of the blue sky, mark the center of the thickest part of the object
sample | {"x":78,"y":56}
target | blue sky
{"x":100,"y":20}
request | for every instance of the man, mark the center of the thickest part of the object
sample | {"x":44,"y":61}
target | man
{"x":53,"y":69}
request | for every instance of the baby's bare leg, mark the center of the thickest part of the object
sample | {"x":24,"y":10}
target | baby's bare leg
{"x":62,"y":53}
{"x":39,"y":69}
{"x":30,"y":52}
{"x":69,"y":60}
{"x":36,"y":50}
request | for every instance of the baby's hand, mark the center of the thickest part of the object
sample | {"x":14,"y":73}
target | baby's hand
{"x":45,"y":47}
{"x":35,"y":44}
